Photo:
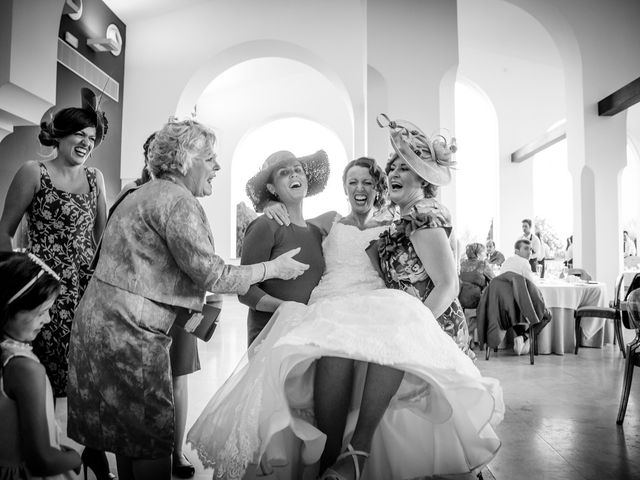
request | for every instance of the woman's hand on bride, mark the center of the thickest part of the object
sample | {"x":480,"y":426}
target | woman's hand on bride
{"x":278,"y":212}
{"x":285,"y":267}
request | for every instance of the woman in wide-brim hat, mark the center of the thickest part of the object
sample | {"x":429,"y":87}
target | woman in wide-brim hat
{"x":288,"y":179}
{"x":416,"y":253}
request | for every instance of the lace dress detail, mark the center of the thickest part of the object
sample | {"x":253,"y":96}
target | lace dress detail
{"x":444,"y":409}
{"x":344,"y":257}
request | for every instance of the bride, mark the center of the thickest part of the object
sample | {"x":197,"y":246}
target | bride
{"x":419,"y":399}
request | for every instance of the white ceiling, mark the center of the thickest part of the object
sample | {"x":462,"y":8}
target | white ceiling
{"x":132,"y":10}
{"x":485,"y":25}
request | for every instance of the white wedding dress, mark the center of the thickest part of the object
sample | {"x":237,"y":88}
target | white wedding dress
{"x":439,"y":422}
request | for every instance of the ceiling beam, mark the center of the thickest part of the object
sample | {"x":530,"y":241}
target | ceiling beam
{"x":620,"y":99}
{"x":539,"y":144}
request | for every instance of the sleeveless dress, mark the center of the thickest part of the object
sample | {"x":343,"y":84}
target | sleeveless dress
{"x":403,"y":269}
{"x":440,"y":420}
{"x":60,"y":227}
{"x":12,"y":466}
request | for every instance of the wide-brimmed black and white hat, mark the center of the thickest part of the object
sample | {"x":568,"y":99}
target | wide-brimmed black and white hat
{"x":316,"y":168}
{"x":428,"y":157}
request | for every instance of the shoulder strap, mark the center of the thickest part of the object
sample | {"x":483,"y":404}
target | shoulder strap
{"x":45,"y":179}
{"x":123,"y":195}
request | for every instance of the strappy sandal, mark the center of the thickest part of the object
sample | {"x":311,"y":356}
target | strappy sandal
{"x":331,"y":474}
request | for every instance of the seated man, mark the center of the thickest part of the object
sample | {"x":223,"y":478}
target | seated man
{"x":494,"y":257}
{"x":519,"y":263}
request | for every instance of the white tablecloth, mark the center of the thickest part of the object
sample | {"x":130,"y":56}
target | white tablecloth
{"x":562,"y":298}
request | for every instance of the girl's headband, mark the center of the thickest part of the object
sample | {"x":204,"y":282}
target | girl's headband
{"x":44,"y":268}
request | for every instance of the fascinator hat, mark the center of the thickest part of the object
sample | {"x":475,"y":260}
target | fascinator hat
{"x":92,"y":103}
{"x":428,"y":157}
{"x":90,"y":108}
{"x":316,"y":168}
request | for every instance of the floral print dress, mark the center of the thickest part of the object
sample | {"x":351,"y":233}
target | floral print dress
{"x":60,"y":227}
{"x":402,"y":269}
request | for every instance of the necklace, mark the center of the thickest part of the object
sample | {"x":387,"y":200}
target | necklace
{"x":9,"y":340}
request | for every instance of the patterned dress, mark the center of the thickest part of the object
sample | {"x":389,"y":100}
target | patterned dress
{"x":61,"y":234}
{"x":402,"y":268}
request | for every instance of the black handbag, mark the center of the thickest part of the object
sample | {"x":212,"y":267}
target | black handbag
{"x":201,"y":324}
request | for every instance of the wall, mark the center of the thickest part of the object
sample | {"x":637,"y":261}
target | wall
{"x":207,"y":39}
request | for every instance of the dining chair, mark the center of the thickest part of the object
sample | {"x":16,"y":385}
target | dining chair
{"x":507,"y":300}
{"x":632,"y":304}
{"x":612,"y":312}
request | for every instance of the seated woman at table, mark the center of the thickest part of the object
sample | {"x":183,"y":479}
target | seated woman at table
{"x":475,"y":274}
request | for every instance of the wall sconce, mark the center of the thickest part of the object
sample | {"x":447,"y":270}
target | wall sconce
{"x":73,"y":8}
{"x":112,"y":42}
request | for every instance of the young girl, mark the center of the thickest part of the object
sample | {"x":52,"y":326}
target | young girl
{"x":29,"y":446}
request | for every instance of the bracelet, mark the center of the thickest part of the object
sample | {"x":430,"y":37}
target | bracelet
{"x":264,"y":272}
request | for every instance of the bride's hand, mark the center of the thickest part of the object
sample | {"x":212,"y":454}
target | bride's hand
{"x":278,"y":212}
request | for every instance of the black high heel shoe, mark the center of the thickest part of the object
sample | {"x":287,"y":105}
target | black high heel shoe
{"x":96,"y":461}
{"x":182,"y":467}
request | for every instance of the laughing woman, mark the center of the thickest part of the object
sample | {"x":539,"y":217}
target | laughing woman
{"x":64,"y":201}
{"x":288,"y":179}
{"x":157,"y":257}
{"x":415,"y":253}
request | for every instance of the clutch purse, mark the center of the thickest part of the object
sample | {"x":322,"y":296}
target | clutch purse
{"x":201,"y":324}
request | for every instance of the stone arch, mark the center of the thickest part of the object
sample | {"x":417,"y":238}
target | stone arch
{"x":251,"y":50}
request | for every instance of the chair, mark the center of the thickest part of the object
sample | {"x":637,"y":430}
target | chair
{"x":612,"y":312}
{"x":506,"y":302}
{"x":632,"y":305}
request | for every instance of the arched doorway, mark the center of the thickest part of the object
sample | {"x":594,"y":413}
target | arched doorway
{"x":477,"y":176}
{"x":260,"y":106}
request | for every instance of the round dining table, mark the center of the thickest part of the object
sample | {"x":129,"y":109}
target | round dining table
{"x":562,"y":297}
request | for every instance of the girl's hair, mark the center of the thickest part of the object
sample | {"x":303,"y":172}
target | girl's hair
{"x":17,"y":270}
{"x":379,"y":177}
{"x":175,"y":145}
{"x":64,"y":123}
{"x":473,"y":250}
{"x":430,"y":190}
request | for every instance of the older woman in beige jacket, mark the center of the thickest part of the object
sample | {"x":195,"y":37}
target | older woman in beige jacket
{"x":157,"y":254}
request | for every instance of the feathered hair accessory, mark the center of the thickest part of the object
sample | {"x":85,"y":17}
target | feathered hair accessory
{"x":92,"y":103}
{"x":428,"y":157}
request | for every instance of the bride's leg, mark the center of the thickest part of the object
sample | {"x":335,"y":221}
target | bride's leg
{"x":380,"y":386}
{"x":331,"y":395}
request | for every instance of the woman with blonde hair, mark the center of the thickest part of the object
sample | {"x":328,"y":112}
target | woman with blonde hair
{"x":157,"y":258}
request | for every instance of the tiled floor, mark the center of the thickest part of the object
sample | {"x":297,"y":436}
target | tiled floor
{"x":560,"y":422}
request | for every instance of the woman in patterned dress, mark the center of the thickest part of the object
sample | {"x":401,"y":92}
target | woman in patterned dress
{"x":65,"y":204}
{"x":415,"y":252}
